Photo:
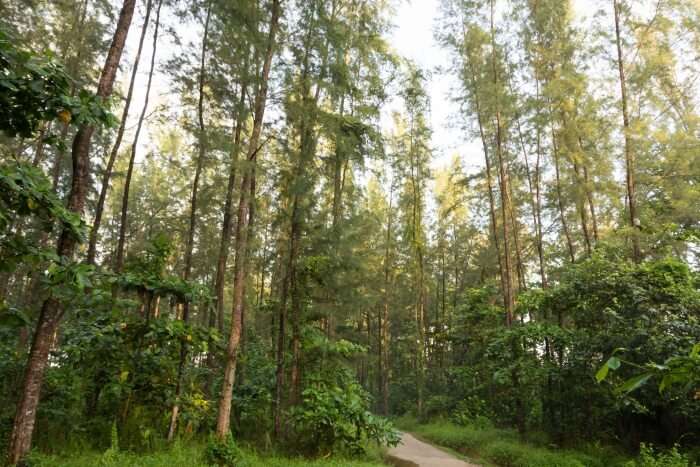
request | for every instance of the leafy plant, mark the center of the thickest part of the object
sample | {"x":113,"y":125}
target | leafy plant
{"x":36,"y":88}
{"x":651,"y":457}
{"x":332,"y":417}
{"x":678,"y":370}
{"x":224,"y":452}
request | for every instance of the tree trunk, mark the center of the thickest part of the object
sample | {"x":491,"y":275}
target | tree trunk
{"x":227,"y":225}
{"x":533,"y":188}
{"x":508,"y":294}
{"x":92,"y":246}
{"x":581,"y":206}
{"x":51,"y":310}
{"x":307,"y":147}
{"x":630,"y":163}
{"x":134,"y":146}
{"x":560,"y":200}
{"x":384,"y":327}
{"x":591,"y":203}
{"x":242,"y":232}
{"x":189,"y":246}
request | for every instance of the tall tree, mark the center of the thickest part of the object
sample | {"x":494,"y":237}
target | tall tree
{"x":243,"y":226}
{"x":52,"y":309}
{"x":630,"y":163}
{"x":192,"y":226}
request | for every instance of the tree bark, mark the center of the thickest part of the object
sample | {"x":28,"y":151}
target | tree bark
{"x":52,"y":310}
{"x":534,"y":191}
{"x":384,"y":325}
{"x":307,"y":147}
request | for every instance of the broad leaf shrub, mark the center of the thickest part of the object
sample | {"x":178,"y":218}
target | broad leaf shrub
{"x":333,"y":418}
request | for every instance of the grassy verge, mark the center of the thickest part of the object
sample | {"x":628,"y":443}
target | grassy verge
{"x":492,"y":446}
{"x":185,"y":455}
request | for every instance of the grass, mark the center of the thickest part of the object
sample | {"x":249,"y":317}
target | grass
{"x":184,"y":455}
{"x":504,"y":448}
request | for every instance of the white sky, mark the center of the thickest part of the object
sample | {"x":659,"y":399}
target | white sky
{"x":413,"y":38}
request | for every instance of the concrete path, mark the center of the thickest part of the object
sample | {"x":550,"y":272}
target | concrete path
{"x":412,"y":452}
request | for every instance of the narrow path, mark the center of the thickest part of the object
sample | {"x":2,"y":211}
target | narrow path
{"x":412,"y":452}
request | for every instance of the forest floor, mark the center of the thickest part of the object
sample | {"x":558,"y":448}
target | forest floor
{"x":412,"y":452}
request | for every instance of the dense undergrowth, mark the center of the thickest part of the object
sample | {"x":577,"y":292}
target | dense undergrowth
{"x":492,"y":446}
{"x":191,"y":455}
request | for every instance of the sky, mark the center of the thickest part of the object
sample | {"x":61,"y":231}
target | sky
{"x":414,"y":39}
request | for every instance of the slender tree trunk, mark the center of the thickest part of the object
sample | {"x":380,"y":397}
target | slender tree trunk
{"x":52,"y":310}
{"x":519,"y":264}
{"x":560,"y":199}
{"x":591,"y":203}
{"x":279,"y":372}
{"x":189,"y":246}
{"x":533,"y":188}
{"x":508,"y":294}
{"x":263,"y":269}
{"x":307,"y":147}
{"x":119,"y":263}
{"x":227,"y":225}
{"x":581,"y":206}
{"x":216,"y":318}
{"x":242,"y":232}
{"x":92,"y":246}
{"x":339,"y":162}
{"x":41,"y":139}
{"x":489,"y":186}
{"x":630,"y":163}
{"x":384,"y":327}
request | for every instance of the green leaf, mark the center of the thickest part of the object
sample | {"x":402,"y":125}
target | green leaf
{"x":635,"y":383}
{"x":695,"y":351}
{"x":602,"y":373}
{"x":614,"y":363}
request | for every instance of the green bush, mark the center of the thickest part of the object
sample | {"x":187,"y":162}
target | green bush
{"x":224,"y":453}
{"x":505,"y":453}
{"x":332,"y":418}
{"x":650,"y":457}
